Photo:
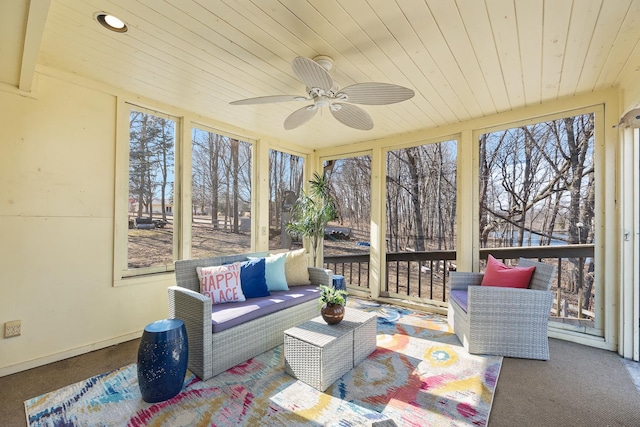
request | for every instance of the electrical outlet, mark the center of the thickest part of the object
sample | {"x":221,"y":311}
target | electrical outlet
{"x":13,"y":328}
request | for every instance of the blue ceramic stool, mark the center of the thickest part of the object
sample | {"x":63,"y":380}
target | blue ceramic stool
{"x":162,"y":360}
{"x":338,"y":283}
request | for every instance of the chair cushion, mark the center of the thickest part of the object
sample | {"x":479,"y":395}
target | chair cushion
{"x":221,"y":283}
{"x":460,"y":297}
{"x":252,"y":278}
{"x":498,"y":274}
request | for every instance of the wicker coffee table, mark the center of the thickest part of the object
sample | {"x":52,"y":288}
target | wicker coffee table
{"x":318,"y":354}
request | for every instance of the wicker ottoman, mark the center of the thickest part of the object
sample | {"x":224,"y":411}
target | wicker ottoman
{"x":364,"y":335}
{"x":318,"y":354}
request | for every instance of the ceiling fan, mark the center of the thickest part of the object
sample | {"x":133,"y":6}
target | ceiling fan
{"x":321,"y":90}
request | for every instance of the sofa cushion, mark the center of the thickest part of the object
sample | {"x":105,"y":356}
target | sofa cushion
{"x":460,"y":297}
{"x":252,"y":278}
{"x":498,"y":274}
{"x":295,"y":268}
{"x":275,"y":272}
{"x":229,"y":315}
{"x":221,"y":283}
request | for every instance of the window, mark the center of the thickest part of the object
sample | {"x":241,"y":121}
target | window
{"x":220,"y":194}
{"x":421,"y":219}
{"x":150,"y":240}
{"x":285,"y":184}
{"x":421,"y":195}
{"x":348,"y":235}
{"x":537,"y":189}
{"x":155,"y":222}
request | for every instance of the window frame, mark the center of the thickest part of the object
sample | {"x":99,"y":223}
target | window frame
{"x":603,"y":212}
{"x":185,"y":122}
{"x":185,"y":249}
{"x":121,"y":273}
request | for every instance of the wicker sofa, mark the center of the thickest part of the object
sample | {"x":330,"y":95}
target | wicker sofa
{"x":211,"y":353}
{"x":502,"y":321}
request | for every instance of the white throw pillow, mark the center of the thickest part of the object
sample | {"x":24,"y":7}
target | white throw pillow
{"x":221,"y":283}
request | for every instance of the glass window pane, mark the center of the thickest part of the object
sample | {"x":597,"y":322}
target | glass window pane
{"x":536,"y":184}
{"x":347,"y":238}
{"x":221,"y":195}
{"x":151,"y":180}
{"x":421,"y":198}
{"x":285,"y":184}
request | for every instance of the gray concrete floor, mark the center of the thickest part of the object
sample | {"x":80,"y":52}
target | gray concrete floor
{"x":634,"y":370}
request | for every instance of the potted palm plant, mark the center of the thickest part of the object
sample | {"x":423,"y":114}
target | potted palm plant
{"x":332,"y":302}
{"x":311,"y":213}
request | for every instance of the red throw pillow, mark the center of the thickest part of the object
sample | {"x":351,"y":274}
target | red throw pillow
{"x":498,"y":274}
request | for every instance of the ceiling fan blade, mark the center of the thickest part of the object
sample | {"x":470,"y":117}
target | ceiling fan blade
{"x":300,"y":117}
{"x":269,"y":99}
{"x":373,"y":93}
{"x":311,"y":73}
{"x":352,"y":116}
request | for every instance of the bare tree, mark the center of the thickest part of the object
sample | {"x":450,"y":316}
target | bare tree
{"x":150,"y":160}
{"x":221,"y":177}
{"x":421,"y":194}
{"x":234,"y":177}
{"x":164,"y":150}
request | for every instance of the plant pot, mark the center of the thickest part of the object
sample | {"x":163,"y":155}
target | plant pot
{"x":332,"y":313}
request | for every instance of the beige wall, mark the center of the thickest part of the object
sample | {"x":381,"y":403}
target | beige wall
{"x":630,"y":91}
{"x":57,"y":166}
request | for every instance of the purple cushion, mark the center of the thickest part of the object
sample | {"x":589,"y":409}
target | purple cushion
{"x":225,"y":316}
{"x":460,"y":296}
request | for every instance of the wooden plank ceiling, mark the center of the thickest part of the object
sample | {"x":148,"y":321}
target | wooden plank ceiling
{"x":464,"y":58}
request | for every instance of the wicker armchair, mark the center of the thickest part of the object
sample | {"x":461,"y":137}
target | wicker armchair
{"x":502,"y":321}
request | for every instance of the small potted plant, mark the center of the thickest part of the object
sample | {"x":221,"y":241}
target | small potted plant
{"x":332,"y":302}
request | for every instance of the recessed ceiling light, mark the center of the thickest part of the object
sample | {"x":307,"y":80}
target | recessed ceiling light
{"x":111,"y":22}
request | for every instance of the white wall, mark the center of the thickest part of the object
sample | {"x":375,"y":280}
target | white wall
{"x":57,"y":166}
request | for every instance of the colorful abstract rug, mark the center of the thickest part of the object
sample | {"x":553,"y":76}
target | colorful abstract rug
{"x":419,"y":375}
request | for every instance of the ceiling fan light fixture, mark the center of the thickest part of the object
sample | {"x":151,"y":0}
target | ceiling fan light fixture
{"x":322,"y":101}
{"x":111,"y":22}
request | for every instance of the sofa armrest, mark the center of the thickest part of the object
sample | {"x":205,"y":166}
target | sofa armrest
{"x":320,"y":276}
{"x":195,"y":310}
{"x":516,"y":305}
{"x":462,"y":280}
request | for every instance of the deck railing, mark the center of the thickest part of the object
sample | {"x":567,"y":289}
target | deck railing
{"x":424,"y":275}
